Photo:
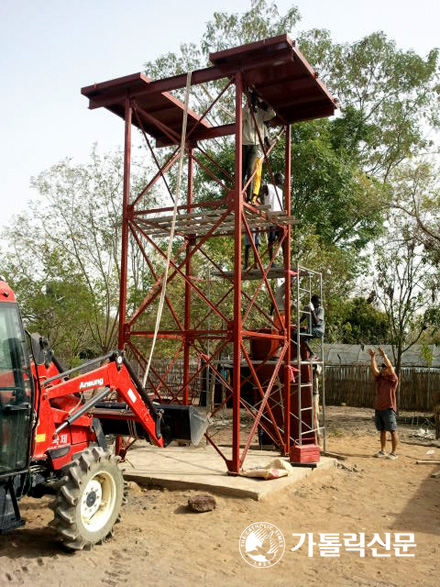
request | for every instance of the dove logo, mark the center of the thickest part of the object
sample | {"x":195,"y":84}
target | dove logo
{"x":262,"y":545}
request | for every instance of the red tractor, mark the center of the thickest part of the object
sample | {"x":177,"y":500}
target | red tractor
{"x":53,"y":430}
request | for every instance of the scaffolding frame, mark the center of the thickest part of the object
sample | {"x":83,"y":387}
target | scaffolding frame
{"x":311,"y":429}
{"x":197,"y":222}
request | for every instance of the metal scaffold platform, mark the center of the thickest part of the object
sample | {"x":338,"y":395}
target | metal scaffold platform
{"x":216,"y":313}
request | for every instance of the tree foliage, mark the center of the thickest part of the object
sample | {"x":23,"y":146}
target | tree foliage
{"x":223,"y":31}
{"x":404,"y":285}
{"x":358,"y":321}
{"x":64,"y":254}
{"x":416,"y":192}
{"x":389,"y":97}
{"x":64,"y":250}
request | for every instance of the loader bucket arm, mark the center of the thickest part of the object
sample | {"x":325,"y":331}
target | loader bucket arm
{"x":118,"y":377}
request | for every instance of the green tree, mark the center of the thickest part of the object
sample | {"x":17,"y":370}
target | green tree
{"x":416,"y":192}
{"x":416,"y":196}
{"x":56,"y":306}
{"x":404,"y":286}
{"x":225,"y":30}
{"x":359,"y":321}
{"x":331,"y":192}
{"x":64,"y":253}
{"x":389,"y":97}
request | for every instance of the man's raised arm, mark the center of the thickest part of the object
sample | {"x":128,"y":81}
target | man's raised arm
{"x":386,"y":359}
{"x":373,"y":364}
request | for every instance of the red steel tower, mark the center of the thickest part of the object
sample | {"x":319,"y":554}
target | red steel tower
{"x":225,"y":325}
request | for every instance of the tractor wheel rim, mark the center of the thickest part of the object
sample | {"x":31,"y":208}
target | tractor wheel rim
{"x":98,"y":501}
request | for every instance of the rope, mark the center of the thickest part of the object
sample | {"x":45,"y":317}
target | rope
{"x":170,"y":242}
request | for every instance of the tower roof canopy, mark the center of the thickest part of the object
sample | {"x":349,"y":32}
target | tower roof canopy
{"x":282,"y":76}
{"x":274,"y":68}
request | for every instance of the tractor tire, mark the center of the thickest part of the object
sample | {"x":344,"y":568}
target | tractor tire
{"x":89,"y":499}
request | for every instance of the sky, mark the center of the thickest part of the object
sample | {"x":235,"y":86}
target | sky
{"x":49,"y":49}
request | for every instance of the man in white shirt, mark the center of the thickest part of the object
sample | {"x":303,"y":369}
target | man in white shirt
{"x":273,"y":197}
{"x":251,"y":137}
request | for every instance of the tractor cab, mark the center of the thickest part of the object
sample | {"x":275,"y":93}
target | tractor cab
{"x":16,"y":388}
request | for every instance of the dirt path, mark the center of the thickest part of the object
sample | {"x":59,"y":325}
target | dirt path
{"x":160,"y":543}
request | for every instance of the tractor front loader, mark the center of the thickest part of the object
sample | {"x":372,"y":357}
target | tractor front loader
{"x":54,"y":428}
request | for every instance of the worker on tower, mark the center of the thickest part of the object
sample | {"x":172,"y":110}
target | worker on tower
{"x":256,"y":236}
{"x":273,"y":197}
{"x":254,"y":117}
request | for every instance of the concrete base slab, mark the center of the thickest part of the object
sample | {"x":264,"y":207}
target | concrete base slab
{"x":201,"y":468}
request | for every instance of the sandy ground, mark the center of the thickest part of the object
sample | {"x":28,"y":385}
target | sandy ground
{"x":160,"y":542}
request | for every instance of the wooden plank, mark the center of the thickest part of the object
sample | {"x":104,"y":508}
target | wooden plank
{"x":217,"y":213}
{"x":200,"y":226}
{"x":212,"y":217}
{"x":253,"y":274}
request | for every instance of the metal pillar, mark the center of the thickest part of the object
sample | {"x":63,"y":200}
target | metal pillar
{"x":187,"y":324}
{"x":125,"y":221}
{"x":287,"y":281}
{"x":237,"y":334}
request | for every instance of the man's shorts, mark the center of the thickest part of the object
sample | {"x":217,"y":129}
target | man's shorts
{"x":385,"y":420}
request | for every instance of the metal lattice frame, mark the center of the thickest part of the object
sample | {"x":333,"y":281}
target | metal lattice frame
{"x":230,"y":216}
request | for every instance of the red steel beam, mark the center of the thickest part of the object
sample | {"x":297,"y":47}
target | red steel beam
{"x":264,"y":400}
{"x":214,"y":162}
{"x":170,"y":366}
{"x":152,"y":294}
{"x":215,"y":132}
{"x":142,"y":361}
{"x":287,"y":291}
{"x":152,"y":153}
{"x":186,"y":347}
{"x":263,"y":271}
{"x":177,"y":269}
{"x":225,"y":295}
{"x":200,"y":76}
{"x":205,"y":204}
{"x":172,"y":135}
{"x":212,"y":174}
{"x":195,"y":136}
{"x":154,"y":274}
{"x":125,"y":206}
{"x":192,"y":338}
{"x":234,"y":464}
{"x":179,"y":335}
{"x":171,"y":160}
